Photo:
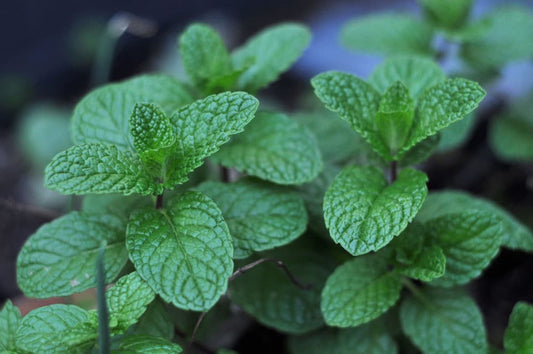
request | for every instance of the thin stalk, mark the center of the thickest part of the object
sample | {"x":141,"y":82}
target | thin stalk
{"x":415,"y":290}
{"x":159,"y":201}
{"x":104,"y":341}
{"x":195,"y":330}
{"x":393,"y":171}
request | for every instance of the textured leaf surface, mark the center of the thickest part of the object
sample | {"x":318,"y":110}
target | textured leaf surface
{"x":469,"y":240}
{"x":388,"y":34}
{"x":271,"y":52}
{"x":98,"y":168}
{"x":266,"y":293}
{"x":56,"y":329}
{"x":102,"y":116}
{"x":203,"y":54}
{"x":416,"y":73}
{"x":60,"y":258}
{"x":359,"y":291}
{"x":444,"y":321}
{"x":428,"y":265}
{"x":364,"y":214}
{"x":442,"y":105}
{"x":260,"y":216}
{"x":155,"y":322}
{"x":515,"y":235}
{"x":202,"y":127}
{"x":184,"y":252}
{"x":354,"y":101}
{"x":127,"y":301}
{"x":511,"y":138}
{"x":145,"y":344}
{"x":518,"y":338}
{"x":275,"y":148}
{"x":371,"y":338}
{"x":9,"y":322}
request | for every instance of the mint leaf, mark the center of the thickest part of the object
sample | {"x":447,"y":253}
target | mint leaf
{"x":202,"y":127}
{"x":56,"y":329}
{"x":449,"y":15}
{"x":260,"y":216}
{"x":266,"y":292}
{"x":416,"y":73}
{"x":518,"y":336}
{"x":510,"y":137}
{"x":354,"y":101}
{"x":515,"y":235}
{"x":442,"y":105}
{"x":184,"y":252}
{"x":151,"y":132}
{"x":428,"y":265}
{"x":388,"y":34}
{"x":155,"y":322}
{"x":271,"y":52}
{"x":359,"y":291}
{"x":364,"y":214}
{"x":469,"y":241}
{"x":276,"y":148}
{"x":102,"y":116}
{"x":127,"y":301}
{"x":145,"y":344}
{"x":456,"y":134}
{"x":421,"y":151}
{"x":204,"y":55}
{"x":9,"y":322}
{"x":443,"y":321}
{"x":98,"y":168}
{"x":370,"y":338}
{"x":60,"y":258}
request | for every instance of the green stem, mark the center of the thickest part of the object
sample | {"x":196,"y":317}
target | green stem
{"x":104,"y":59}
{"x":415,"y":290}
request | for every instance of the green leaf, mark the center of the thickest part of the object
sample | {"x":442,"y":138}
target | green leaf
{"x":444,"y":321}
{"x":518,"y":338}
{"x":103,"y":115}
{"x":354,"y":101}
{"x":515,"y":235}
{"x":202,"y":127}
{"x":364,"y":214}
{"x":469,"y":240}
{"x":416,"y":73}
{"x":421,"y":151}
{"x":60,"y":258}
{"x":56,"y":329}
{"x":184,"y":252}
{"x":266,"y":292}
{"x":9,"y":322}
{"x":271,"y":52}
{"x":395,"y":115}
{"x":127,"y":301}
{"x":388,"y":34}
{"x":428,"y":265}
{"x":204,"y":55}
{"x":260,"y":216}
{"x":359,"y":291}
{"x":275,"y":148}
{"x":155,"y":322}
{"x":442,"y":105}
{"x":456,"y":134}
{"x":370,"y":338}
{"x":98,"y":168}
{"x":145,"y":344}
{"x":511,"y":137}
{"x":151,"y":131}
{"x":449,"y":14}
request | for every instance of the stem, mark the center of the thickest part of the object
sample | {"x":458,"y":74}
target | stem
{"x":159,"y":201}
{"x":178,"y":332}
{"x":195,"y":330}
{"x":415,"y":290}
{"x":225,"y":174}
{"x":393,"y":171}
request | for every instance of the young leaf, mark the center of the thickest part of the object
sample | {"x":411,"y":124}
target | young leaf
{"x":271,"y":52}
{"x":9,"y":322}
{"x":127,"y":301}
{"x":518,"y":338}
{"x":354,"y":101}
{"x":103,"y":115}
{"x":448,"y":15}
{"x":184,"y":252}
{"x":275,"y":148}
{"x":359,"y":291}
{"x":60,"y":258}
{"x":364,"y":214}
{"x":469,"y":240}
{"x":266,"y":292}
{"x":428,"y":265}
{"x":204,"y":55}
{"x":260,"y":216}
{"x":155,"y":322}
{"x":442,"y":105}
{"x":98,"y":168}
{"x":202,"y":127}
{"x":56,"y":329}
{"x":145,"y":344}
{"x":443,"y":321}
{"x":416,"y":73}
{"x":388,"y":34}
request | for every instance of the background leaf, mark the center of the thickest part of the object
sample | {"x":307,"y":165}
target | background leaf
{"x":155,"y":321}
{"x":9,"y":322}
{"x":518,"y":336}
{"x":447,"y":15}
{"x":146,"y":344}
{"x":511,"y":137}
